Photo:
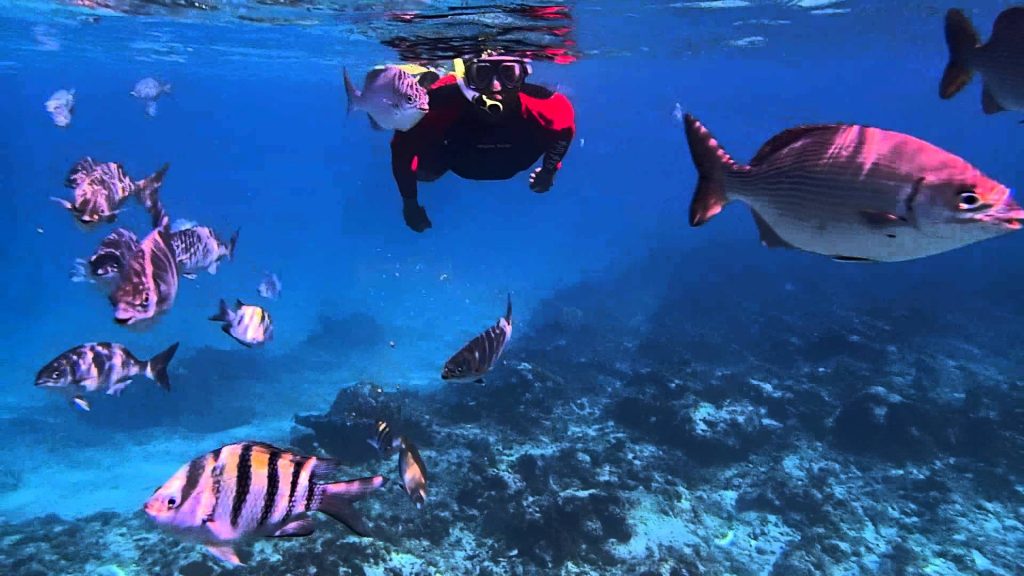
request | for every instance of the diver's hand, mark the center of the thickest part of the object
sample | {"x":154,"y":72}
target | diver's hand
{"x":541,"y":180}
{"x":415,"y":215}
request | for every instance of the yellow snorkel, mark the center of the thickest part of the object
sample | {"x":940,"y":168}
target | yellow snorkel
{"x":493,"y":107}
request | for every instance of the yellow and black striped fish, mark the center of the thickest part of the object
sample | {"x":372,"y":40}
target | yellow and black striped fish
{"x":250,"y":325}
{"x":255,"y":490}
{"x":481,"y":353}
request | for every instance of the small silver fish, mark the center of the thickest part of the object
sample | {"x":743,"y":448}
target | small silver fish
{"x":240,"y":492}
{"x":149,"y":281}
{"x":101,"y":189}
{"x":60,"y":106}
{"x":481,"y":353}
{"x":149,"y":90}
{"x":249,"y":325}
{"x":1000,"y":61}
{"x":198,"y":248}
{"x":106,"y":263}
{"x":270,"y":286}
{"x":393,"y":98}
{"x":854,"y":193}
{"x":102,"y":366}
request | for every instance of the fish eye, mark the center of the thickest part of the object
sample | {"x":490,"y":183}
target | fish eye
{"x":171,"y":502}
{"x":145,"y":298}
{"x":969,"y":200}
{"x":409,"y":99}
{"x":56,"y":374}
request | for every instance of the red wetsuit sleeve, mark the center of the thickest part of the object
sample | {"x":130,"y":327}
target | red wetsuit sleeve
{"x":557,"y":121}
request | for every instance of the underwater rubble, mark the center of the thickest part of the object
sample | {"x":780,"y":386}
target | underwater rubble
{"x":839,"y":447}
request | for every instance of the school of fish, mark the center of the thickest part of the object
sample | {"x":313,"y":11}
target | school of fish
{"x":850,"y":192}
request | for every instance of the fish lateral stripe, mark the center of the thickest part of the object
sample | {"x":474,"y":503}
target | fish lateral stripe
{"x":270,"y":497}
{"x":243,"y":482}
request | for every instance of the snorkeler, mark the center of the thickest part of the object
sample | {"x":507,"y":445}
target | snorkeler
{"x":485,"y":123}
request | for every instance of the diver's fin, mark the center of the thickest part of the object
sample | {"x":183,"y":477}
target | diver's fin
{"x":769,"y":237}
{"x":225,"y":553}
{"x":296,"y":529}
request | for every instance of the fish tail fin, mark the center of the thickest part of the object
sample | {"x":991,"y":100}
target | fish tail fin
{"x":231,"y":244}
{"x":156,"y":368}
{"x":336,"y":500}
{"x":148,"y":189}
{"x":508,"y":309}
{"x":167,"y":88}
{"x":223,"y":313}
{"x":351,"y":93}
{"x":961,"y":38}
{"x":712,"y":163}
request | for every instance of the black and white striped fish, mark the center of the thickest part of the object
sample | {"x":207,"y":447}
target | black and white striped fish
{"x":106,"y":263}
{"x":101,"y":189}
{"x":411,"y":468}
{"x":198,"y":248}
{"x":249,"y":490}
{"x":481,"y":353}
{"x":250,"y":325}
{"x":105,"y":366}
{"x":149,"y":281}
{"x":1000,"y":61}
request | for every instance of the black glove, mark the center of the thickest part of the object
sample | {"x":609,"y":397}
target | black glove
{"x":415,"y":215}
{"x":541,"y":180}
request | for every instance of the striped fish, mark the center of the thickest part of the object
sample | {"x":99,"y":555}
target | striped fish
{"x":105,"y":366}
{"x":479,"y":355}
{"x":198,"y":248}
{"x":1000,"y":61}
{"x":60,"y":106}
{"x":393,"y":98}
{"x":248,"y":324}
{"x":149,"y":282}
{"x":101,"y":189}
{"x":107,"y":262}
{"x":411,"y":469}
{"x":854,"y":193}
{"x":249,"y":490}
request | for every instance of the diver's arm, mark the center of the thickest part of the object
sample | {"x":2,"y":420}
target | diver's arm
{"x":556,"y":118}
{"x":403,"y":164}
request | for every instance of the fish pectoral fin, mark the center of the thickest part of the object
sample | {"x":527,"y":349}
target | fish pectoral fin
{"x":213,"y":268}
{"x":296,"y":529}
{"x":189,"y":275}
{"x":880,"y":218}
{"x":374,"y":124}
{"x":63,"y":202}
{"x":769,"y":237}
{"x":989,"y":104}
{"x":225,"y":553}
{"x":857,"y":259}
{"x":81,"y":403}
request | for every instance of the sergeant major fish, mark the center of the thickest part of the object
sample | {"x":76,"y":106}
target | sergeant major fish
{"x":149,"y":281}
{"x":105,"y":265}
{"x":100,"y":190}
{"x":1000,"y":61}
{"x":198,"y":248}
{"x":393,"y":98}
{"x":102,"y":366}
{"x":249,"y":490}
{"x":249,"y":325}
{"x":480,"y":354}
{"x":411,"y":468}
{"x":854,"y":193}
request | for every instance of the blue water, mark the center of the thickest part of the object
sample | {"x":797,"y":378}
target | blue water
{"x":258,"y":138}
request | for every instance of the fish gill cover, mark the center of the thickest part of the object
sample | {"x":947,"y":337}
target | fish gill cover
{"x":675,"y":400}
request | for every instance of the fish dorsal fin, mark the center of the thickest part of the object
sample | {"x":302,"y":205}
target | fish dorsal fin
{"x":239,"y":303}
{"x":989,"y":104}
{"x":769,"y":237}
{"x":373,"y":75}
{"x":1009,"y":26}
{"x":787,"y":138}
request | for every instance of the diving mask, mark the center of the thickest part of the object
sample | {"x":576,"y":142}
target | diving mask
{"x":510,"y":73}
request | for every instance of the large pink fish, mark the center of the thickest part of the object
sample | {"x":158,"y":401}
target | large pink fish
{"x":101,"y":189}
{"x":149,"y":280}
{"x":852,"y":192}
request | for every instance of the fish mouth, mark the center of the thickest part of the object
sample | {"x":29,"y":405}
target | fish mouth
{"x":423,"y":109}
{"x":123,"y":321}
